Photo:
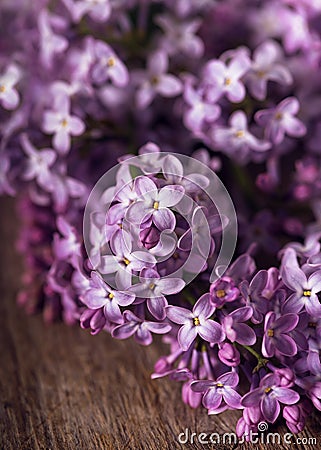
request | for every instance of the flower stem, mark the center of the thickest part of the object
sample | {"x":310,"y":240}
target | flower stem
{"x":261,"y":362}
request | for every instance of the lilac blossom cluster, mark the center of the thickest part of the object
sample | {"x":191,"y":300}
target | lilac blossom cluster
{"x":236,"y":85}
{"x":149,"y":236}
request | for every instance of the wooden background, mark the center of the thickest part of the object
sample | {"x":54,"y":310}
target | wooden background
{"x":61,"y":388}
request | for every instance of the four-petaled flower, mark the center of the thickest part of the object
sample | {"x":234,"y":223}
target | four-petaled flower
{"x":108,"y":66}
{"x":141,"y":329}
{"x":67,"y":247}
{"x":226,"y":78}
{"x":275,"y":337}
{"x":236,"y":138}
{"x":157,"y":81}
{"x":236,"y":330}
{"x":305,"y":289}
{"x":196,"y":322}
{"x":39,"y":162}
{"x":9,"y":97}
{"x":153,"y":288}
{"x":63,"y":125}
{"x":100,"y":295}
{"x":280,"y":120}
{"x":200,"y":111}
{"x":179,"y":36}
{"x":253,"y":295}
{"x":266,"y":67}
{"x":223,"y":291}
{"x":154,"y":204}
{"x":50,"y":43}
{"x":124,"y":261}
{"x":219,"y":392}
{"x":268,"y":395}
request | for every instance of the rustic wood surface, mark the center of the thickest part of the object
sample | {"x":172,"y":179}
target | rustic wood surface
{"x":61,"y":388}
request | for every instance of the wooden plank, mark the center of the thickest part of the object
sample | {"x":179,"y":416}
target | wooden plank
{"x":61,"y":388}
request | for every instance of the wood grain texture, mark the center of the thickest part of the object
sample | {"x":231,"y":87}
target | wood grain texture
{"x":61,"y":388}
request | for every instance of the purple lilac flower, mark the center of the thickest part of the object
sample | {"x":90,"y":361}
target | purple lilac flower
{"x":295,"y":416}
{"x":266,"y":66}
{"x":314,"y":393}
{"x":124,"y":261}
{"x":92,"y":54}
{"x":67,"y":247}
{"x":310,"y":247}
{"x":94,"y":319}
{"x":150,"y":237}
{"x":63,"y":125}
{"x":142,"y":330}
{"x":276,"y":337}
{"x":220,"y":391}
{"x":196,"y":322}
{"x":179,"y":36}
{"x":154,"y":204}
{"x":100,"y":295}
{"x":229,"y":355}
{"x":313,"y":357}
{"x":202,"y":228}
{"x":305,"y":289}
{"x":268,"y":397}
{"x":98,"y":10}
{"x":9,"y":97}
{"x":200,"y":111}
{"x":287,"y":376}
{"x":225,"y":79}
{"x":191,"y":398}
{"x":153,"y":289}
{"x":123,"y":195}
{"x":223,"y":291}
{"x":39,"y":162}
{"x":173,"y":172}
{"x":148,"y":165}
{"x":253,"y":295}
{"x":157,"y":81}
{"x":237,"y":331}
{"x":296,"y":31}
{"x":242,"y":269}
{"x":280,"y":120}
{"x":63,"y":188}
{"x":51,"y":44}
{"x":108,"y":66}
{"x":236,"y":139}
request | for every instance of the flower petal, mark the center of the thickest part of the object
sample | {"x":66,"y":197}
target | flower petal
{"x":169,"y":86}
{"x":212,"y":399}
{"x":179,"y":315}
{"x":169,"y":196}
{"x":232,"y":398}
{"x":204,"y":307}
{"x":286,"y":396}
{"x":270,"y":408}
{"x":186,"y":336}
{"x":169,"y":286}
{"x":156,"y":307}
{"x":211,"y":332}
{"x":286,"y":345}
{"x":164,"y":219}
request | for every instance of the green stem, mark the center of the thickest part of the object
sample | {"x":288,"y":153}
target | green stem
{"x":251,"y":350}
{"x":261,"y":362}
